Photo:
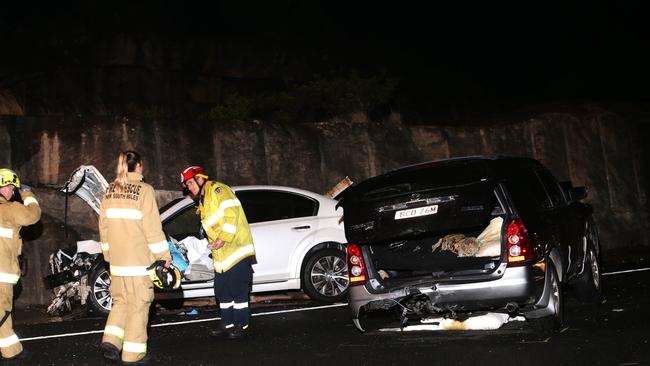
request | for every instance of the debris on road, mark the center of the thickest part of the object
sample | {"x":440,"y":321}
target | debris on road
{"x":489,"y":321}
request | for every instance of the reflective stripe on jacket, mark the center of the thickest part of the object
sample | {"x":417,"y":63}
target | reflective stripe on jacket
{"x":13,"y":216}
{"x":223,"y":217}
{"x":130,"y":231}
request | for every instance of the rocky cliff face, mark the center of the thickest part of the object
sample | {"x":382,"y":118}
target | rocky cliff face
{"x":594,"y":148}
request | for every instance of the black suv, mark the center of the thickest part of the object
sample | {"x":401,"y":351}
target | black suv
{"x":474,"y":234}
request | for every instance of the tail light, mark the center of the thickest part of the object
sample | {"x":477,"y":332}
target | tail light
{"x":519,"y":247}
{"x":356,"y":267}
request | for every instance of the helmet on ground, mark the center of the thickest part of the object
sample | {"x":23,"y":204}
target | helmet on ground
{"x":191,"y":172}
{"x":165,"y":278}
{"x":7,"y":177}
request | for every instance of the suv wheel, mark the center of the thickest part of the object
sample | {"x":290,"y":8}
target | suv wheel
{"x":99,"y":298}
{"x":589,"y":284}
{"x":556,"y":299}
{"x":325,"y":276}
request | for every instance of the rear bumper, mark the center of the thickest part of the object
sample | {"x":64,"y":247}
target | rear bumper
{"x":519,"y":285}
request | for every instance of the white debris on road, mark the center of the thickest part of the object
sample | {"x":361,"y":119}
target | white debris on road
{"x":489,"y":321}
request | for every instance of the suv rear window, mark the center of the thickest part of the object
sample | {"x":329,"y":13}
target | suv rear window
{"x":422,"y":177}
{"x":422,"y":211}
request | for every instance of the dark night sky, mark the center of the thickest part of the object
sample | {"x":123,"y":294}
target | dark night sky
{"x":475,"y":52}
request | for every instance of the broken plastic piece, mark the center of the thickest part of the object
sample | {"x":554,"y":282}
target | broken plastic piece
{"x":339,"y":187}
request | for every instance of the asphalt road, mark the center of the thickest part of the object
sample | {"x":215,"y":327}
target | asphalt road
{"x":614,"y":331}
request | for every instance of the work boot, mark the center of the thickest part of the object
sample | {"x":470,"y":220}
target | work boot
{"x":146,"y":360}
{"x":237,"y":332}
{"x":110,"y":351}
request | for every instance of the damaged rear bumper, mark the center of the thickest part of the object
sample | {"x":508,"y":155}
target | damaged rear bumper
{"x":518,"y":285}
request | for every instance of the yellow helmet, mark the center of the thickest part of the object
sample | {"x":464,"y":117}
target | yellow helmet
{"x":7,"y":177}
{"x":165,"y":278}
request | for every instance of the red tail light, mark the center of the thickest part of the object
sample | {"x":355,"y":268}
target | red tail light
{"x":519,"y":247}
{"x":356,"y":267}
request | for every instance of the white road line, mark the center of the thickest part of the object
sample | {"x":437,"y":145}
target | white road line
{"x":61,"y":335}
{"x":181,"y":323}
{"x":302,"y":309}
{"x":254,"y":315}
{"x":626,"y":271}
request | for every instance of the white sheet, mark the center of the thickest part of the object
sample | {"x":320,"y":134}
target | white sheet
{"x":197,"y":252}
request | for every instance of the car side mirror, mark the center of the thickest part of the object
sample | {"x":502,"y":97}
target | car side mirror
{"x":579,"y":193}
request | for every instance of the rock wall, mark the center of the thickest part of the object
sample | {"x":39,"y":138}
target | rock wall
{"x":597,"y":149}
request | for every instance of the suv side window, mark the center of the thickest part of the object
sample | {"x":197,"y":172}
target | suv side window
{"x":535,"y":186}
{"x":552,"y":187}
{"x":526,"y":188}
{"x":261,"y":205}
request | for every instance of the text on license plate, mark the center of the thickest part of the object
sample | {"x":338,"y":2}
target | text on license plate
{"x":415,"y":212}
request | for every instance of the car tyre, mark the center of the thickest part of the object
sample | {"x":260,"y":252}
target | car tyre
{"x":325,"y":276}
{"x":589,"y":284}
{"x":99,"y":300}
{"x":555,"y":321}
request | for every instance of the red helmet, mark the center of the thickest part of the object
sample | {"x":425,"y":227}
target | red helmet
{"x":191,"y":172}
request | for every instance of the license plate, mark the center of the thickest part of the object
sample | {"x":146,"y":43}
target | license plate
{"x":416,"y":212}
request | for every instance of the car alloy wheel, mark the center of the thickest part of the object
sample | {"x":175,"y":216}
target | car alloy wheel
{"x":554,"y":320}
{"x":589,"y":284}
{"x":101,"y":290}
{"x":324,"y":275}
{"x":595,"y":269}
{"x":555,"y":296}
{"x":329,"y":276}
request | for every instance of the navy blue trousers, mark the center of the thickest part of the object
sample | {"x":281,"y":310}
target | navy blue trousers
{"x":232,"y":289}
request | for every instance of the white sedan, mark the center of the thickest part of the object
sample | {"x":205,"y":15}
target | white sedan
{"x":299,"y":242}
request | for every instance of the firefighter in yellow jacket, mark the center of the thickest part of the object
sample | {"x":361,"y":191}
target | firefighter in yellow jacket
{"x":132,"y":239}
{"x":13,"y":216}
{"x":231,"y":242}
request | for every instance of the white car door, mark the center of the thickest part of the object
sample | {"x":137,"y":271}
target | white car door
{"x":280,"y":222}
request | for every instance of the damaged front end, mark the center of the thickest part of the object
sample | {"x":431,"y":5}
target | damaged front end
{"x":68,"y":276}
{"x":70,"y":268}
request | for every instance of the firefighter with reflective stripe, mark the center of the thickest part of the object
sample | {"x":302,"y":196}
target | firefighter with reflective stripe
{"x":231,"y":242}
{"x":18,"y":208}
{"x":132,"y":239}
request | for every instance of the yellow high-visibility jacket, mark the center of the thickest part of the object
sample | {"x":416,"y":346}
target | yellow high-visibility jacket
{"x":13,"y":216}
{"x":129,"y":228}
{"x":222,"y":217}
